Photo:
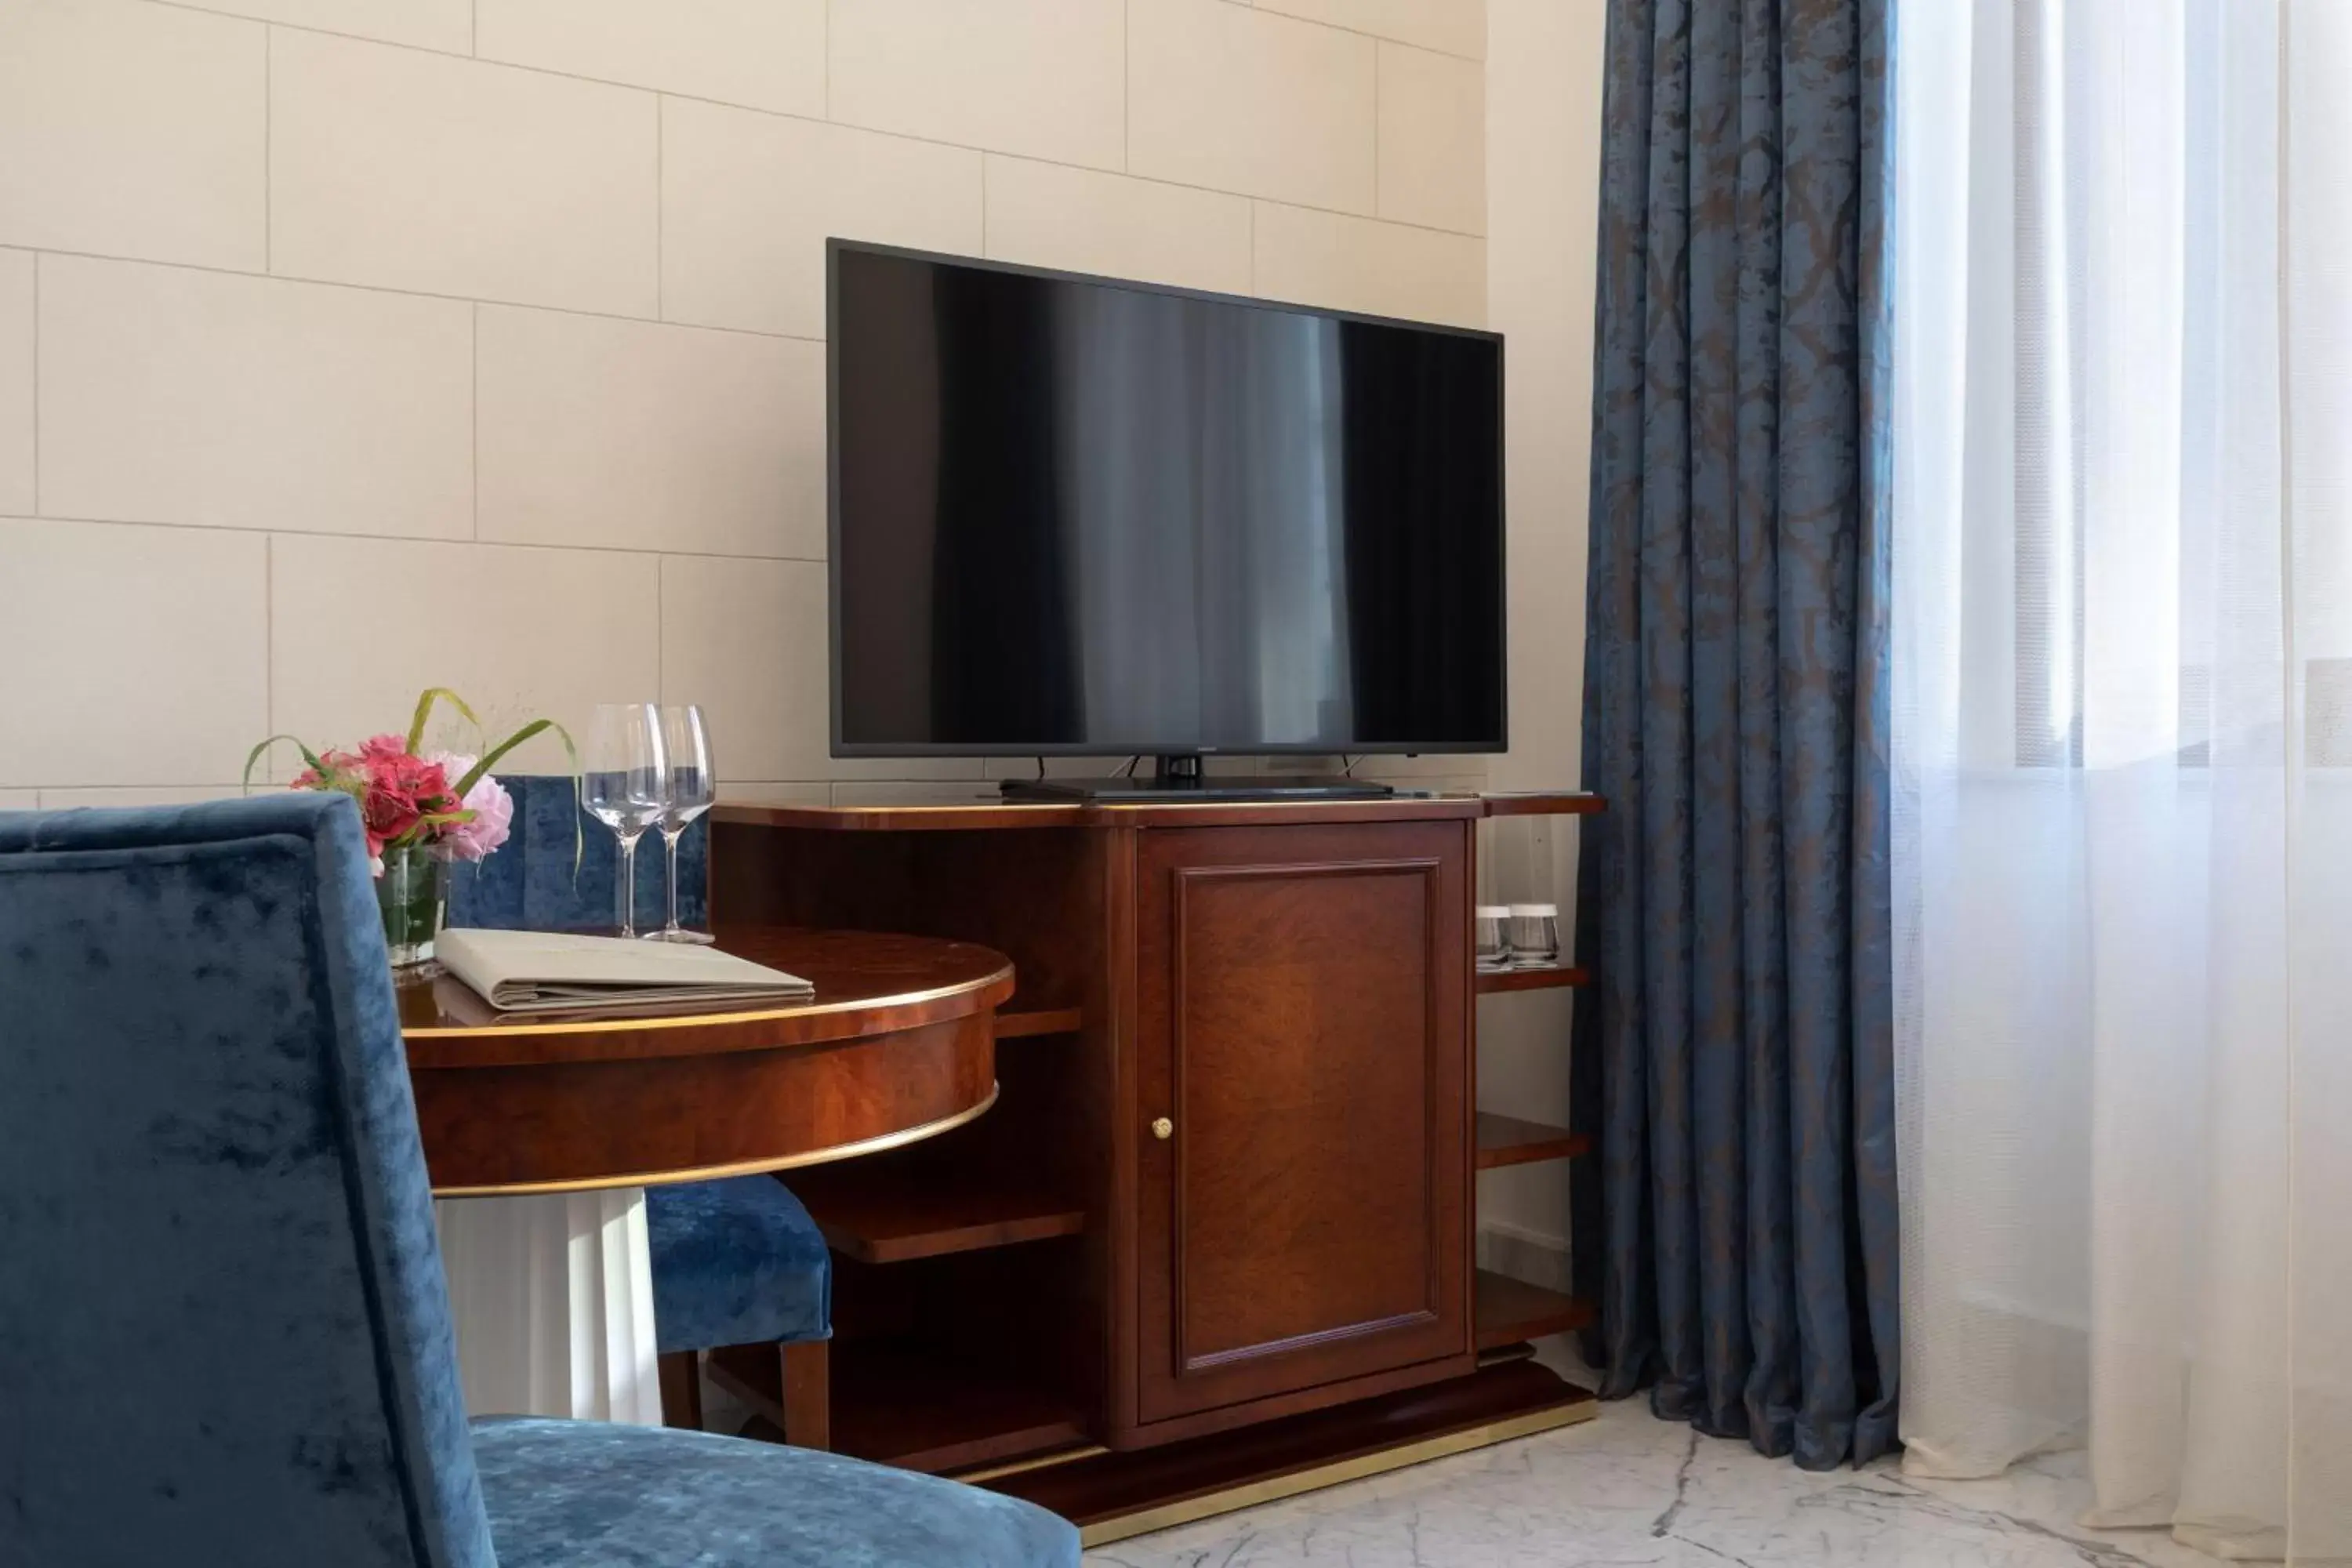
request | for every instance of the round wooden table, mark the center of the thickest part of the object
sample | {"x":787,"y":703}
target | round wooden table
{"x":897,"y":1044}
{"x":541,"y":1134}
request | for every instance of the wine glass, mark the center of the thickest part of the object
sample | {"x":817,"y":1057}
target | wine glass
{"x":622,"y":780}
{"x":686,"y":745}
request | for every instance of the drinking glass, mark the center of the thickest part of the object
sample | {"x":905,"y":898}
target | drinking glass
{"x":685,"y":746}
{"x":1493,"y":921}
{"x":1533,"y":934}
{"x":623,"y":778}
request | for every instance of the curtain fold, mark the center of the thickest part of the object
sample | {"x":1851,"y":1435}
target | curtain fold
{"x":1735,"y":1066}
{"x":2123,"y":757}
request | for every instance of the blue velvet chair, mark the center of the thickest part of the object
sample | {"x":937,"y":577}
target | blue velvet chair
{"x":736,"y":1262}
{"x":559,"y":870}
{"x":223,"y":1333}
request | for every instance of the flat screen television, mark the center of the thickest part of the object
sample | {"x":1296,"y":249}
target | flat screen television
{"x":1074,"y":515}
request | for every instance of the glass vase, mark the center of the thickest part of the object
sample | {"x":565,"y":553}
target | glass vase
{"x":412,"y":893}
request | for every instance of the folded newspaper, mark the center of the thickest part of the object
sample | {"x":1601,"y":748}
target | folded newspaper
{"x":551,"y":972}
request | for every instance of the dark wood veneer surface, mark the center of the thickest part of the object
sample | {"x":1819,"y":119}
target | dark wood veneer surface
{"x":867,"y":982}
{"x":904,"y":1404}
{"x":897,"y":1040}
{"x":1301,"y":1023}
{"x":1290,"y":984}
{"x":914,"y":1209}
{"x":983,"y":816}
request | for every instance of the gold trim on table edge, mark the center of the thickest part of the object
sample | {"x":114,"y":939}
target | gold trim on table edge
{"x":1273,"y":1488}
{"x":525,"y":1030}
{"x":874,"y":1145}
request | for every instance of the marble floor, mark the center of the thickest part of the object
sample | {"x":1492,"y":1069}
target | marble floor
{"x":1629,"y":1489}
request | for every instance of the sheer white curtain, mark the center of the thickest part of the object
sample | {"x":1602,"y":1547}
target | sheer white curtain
{"x":2123,"y":749}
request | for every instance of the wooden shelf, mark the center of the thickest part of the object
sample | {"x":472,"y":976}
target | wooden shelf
{"x":1507,"y":1311}
{"x":1533,"y":977}
{"x":1507,"y":1141}
{"x":921,"y":1411}
{"x":1053,"y":1020}
{"x":901,"y":1405}
{"x":905,"y":1405}
{"x":896,"y":1215}
{"x":1544,"y":802}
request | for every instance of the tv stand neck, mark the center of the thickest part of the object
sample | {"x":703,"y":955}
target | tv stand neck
{"x":1176,"y":773}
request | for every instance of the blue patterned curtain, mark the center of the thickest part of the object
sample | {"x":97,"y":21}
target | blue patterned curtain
{"x":1736,"y":1064}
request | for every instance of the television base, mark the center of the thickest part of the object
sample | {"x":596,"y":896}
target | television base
{"x":1159,"y":789}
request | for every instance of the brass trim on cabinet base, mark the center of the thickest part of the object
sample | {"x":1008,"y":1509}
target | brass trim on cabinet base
{"x":905,"y":1135}
{"x":1315,"y":1478}
{"x":1034,"y":1462}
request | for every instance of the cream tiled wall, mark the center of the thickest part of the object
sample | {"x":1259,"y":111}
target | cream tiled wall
{"x":349,"y":346}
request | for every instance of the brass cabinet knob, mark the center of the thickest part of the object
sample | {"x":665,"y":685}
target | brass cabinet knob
{"x":1163,"y":1128}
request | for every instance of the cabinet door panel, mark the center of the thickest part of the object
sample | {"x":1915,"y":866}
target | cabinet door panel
{"x":1302,"y":1028}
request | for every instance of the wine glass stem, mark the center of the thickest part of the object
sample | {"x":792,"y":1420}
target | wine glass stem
{"x":670,"y":844}
{"x":624,"y":890}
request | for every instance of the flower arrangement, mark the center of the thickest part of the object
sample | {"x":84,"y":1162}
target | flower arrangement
{"x":422,"y":810}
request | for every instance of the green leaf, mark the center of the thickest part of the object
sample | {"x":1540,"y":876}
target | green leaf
{"x":253,"y":756}
{"x":536,"y":726}
{"x":424,"y":710}
{"x":474,"y":774}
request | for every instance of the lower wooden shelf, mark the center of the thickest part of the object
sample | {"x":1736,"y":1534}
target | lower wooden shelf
{"x":896,"y":1215}
{"x":1509,"y":1140}
{"x":918,"y":1409}
{"x":1508,"y":1311}
{"x":1052,"y":1021}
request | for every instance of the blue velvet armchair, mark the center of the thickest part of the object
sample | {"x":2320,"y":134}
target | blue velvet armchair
{"x":735,"y":1262}
{"x":223,"y":1333}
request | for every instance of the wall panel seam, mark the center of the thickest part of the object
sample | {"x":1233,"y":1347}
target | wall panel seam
{"x":268,"y":530}
{"x":269,"y":129}
{"x":35,"y":257}
{"x":306,"y":281}
{"x":1257,"y":10}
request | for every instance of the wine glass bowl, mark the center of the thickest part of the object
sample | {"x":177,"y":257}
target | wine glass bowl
{"x":688,"y":789}
{"x":624,"y":778}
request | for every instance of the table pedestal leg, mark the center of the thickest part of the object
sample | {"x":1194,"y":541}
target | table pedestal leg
{"x":553,"y":1301}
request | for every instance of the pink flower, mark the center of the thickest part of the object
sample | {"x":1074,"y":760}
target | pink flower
{"x":396,"y":791}
{"x":476,"y":837}
{"x":388,"y":813}
{"x":407,"y":800}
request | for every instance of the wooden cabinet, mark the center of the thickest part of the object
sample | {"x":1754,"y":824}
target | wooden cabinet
{"x":1059,"y":1301}
{"x":1300,"y":1040}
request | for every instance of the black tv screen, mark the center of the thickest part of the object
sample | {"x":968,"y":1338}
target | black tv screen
{"x":1074,"y":515}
